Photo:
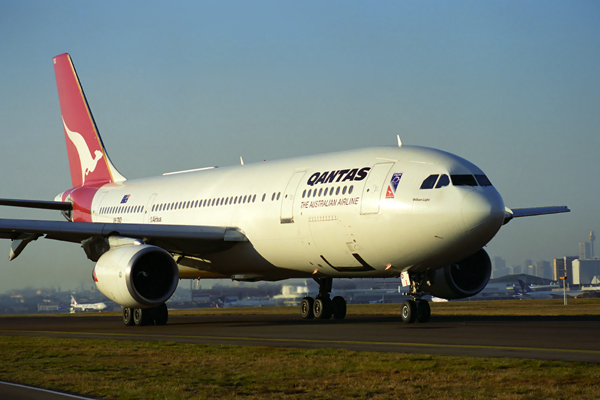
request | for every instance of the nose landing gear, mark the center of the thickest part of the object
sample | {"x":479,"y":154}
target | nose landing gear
{"x":416,"y":309}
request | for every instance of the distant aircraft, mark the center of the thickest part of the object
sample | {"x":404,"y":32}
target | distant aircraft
{"x":526,"y":292}
{"x":386,"y":212}
{"x":86,"y":307}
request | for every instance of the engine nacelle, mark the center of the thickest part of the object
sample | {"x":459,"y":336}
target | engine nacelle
{"x":137,"y":276}
{"x":463,"y":279}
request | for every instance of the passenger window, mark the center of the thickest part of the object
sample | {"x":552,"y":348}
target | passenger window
{"x":483,"y":180}
{"x":337,"y":191}
{"x":253,"y":198}
{"x":278,"y":194}
{"x":444,"y":181}
{"x":344,"y":190}
{"x":320,"y":192}
{"x":264,"y":195}
{"x":273,"y":197}
{"x":429,"y":182}
{"x":304,"y":193}
{"x":315,"y":193}
{"x":350,"y":189}
{"x":463,"y":180}
{"x":331,"y":191}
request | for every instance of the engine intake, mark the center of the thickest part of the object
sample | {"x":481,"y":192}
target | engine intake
{"x":137,"y":276}
{"x":463,"y":279}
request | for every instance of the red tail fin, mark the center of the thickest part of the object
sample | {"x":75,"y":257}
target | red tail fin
{"x":88,"y":160}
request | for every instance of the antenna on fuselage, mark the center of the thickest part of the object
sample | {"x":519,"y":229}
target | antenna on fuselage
{"x":399,"y":141}
{"x":241,"y":160}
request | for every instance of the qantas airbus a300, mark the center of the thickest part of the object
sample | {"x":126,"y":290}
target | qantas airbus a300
{"x":402,"y":211}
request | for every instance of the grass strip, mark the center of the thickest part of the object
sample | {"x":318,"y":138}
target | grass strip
{"x":162,"y":370}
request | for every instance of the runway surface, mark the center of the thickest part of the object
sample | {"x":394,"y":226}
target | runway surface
{"x":551,"y":338}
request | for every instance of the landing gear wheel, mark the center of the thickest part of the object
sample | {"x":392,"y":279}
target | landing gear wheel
{"x":128,"y":316}
{"x":321,"y":309}
{"x":423,"y":311}
{"x":138,"y":317}
{"x":161,"y":314}
{"x":338,"y":306}
{"x":408,"y":312}
{"x":306,"y":308}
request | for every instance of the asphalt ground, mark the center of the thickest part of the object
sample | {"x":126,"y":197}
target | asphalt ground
{"x":562,"y":338}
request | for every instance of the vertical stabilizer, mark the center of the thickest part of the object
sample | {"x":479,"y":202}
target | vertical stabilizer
{"x":88,"y":160}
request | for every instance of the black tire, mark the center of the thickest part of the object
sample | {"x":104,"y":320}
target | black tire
{"x":306,"y":308}
{"x":161,"y":315}
{"x":408,"y":312}
{"x":322,"y":309}
{"x":128,"y":316}
{"x":138,"y":317}
{"x":338,"y":307}
{"x":423,"y":311}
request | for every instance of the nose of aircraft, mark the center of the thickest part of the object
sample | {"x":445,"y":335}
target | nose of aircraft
{"x":482,"y":209}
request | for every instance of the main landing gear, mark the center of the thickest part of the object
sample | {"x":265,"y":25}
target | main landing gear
{"x":416,"y":309}
{"x":323,"y":307}
{"x":146,"y":316}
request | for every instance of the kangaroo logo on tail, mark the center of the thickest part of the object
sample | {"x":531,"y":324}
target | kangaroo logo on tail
{"x":86,"y":161}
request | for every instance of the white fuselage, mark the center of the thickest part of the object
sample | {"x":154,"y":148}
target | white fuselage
{"x":357,"y":223}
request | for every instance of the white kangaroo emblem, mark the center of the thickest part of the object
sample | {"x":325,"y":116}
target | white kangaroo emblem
{"x":87,"y":163}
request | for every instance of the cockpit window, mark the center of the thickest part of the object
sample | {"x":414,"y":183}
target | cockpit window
{"x":444,"y":181}
{"x":429,"y":182}
{"x":483,"y":180}
{"x":463,"y":180}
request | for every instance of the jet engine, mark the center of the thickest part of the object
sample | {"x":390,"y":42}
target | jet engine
{"x":137,"y":276}
{"x":464,"y":278}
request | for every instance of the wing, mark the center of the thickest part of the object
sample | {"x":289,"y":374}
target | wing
{"x":532,"y":211}
{"x":181,"y":239}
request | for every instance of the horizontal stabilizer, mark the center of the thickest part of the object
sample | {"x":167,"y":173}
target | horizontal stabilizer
{"x":532,"y":211}
{"x":41,"y":204}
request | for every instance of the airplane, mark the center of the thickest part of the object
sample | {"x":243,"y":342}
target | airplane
{"x":86,"y":307}
{"x":528,"y":293}
{"x":386,"y":212}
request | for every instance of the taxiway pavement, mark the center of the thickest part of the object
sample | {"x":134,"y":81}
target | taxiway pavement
{"x":552,"y":338}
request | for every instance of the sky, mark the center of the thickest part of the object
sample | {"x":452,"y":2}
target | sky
{"x":512,"y":86}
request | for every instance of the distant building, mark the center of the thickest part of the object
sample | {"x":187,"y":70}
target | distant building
{"x":542,"y":269}
{"x":585,"y":252}
{"x":516,"y":269}
{"x":562,"y":266}
{"x":499,"y":267}
{"x":584,"y":271}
